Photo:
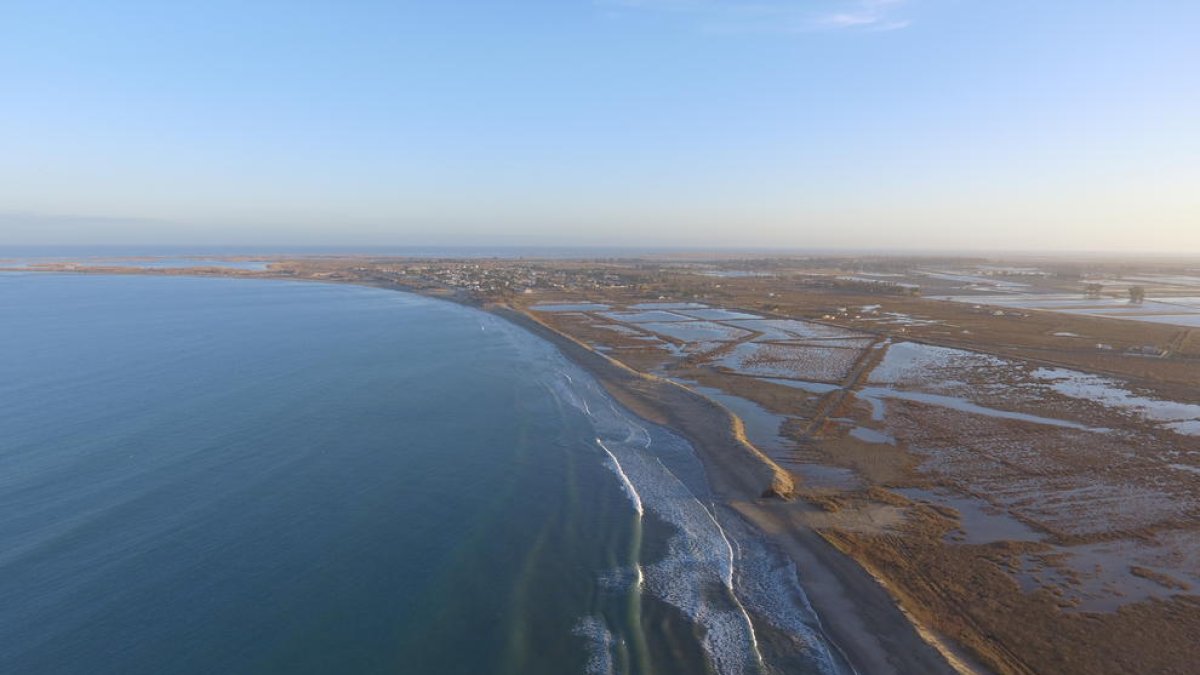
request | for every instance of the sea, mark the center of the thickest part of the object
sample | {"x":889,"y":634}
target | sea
{"x":214,"y":475}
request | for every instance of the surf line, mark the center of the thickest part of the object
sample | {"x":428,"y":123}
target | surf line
{"x":732,"y":592}
{"x":634,"y":428}
{"x":728,"y":578}
{"x":641,"y":651}
{"x":583,"y":402}
{"x":626,"y":483}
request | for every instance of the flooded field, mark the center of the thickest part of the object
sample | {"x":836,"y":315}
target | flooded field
{"x":1085,"y":474}
{"x":1178,"y":311}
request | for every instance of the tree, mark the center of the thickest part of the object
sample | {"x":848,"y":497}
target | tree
{"x":1137,"y":294}
{"x":1093,"y":290}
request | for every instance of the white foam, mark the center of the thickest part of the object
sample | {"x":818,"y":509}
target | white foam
{"x":769,"y":582}
{"x":695,"y":576}
{"x":600,"y":645}
{"x":698,"y":572}
{"x":622,"y":578}
{"x":631,"y":491}
{"x":729,"y":584}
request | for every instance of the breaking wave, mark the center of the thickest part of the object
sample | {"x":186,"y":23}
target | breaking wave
{"x":630,"y":490}
{"x":716,"y":570}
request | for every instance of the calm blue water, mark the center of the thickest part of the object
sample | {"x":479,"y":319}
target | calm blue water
{"x":206,"y":475}
{"x":156,"y":263}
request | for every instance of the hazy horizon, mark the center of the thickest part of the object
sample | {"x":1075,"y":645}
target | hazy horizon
{"x":904,"y":126}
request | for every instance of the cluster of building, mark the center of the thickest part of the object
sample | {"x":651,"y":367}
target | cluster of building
{"x":497,"y":279}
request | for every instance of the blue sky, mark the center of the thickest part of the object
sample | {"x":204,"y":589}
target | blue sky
{"x":951,"y":124}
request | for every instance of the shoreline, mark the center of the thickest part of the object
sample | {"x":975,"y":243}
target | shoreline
{"x":1057,"y":580}
{"x":857,"y":613}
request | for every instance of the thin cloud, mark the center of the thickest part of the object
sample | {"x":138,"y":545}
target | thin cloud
{"x":873,"y":14}
{"x":775,"y":16}
{"x":884,"y":26}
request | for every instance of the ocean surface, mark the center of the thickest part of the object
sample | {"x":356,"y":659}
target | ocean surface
{"x":205,"y":475}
